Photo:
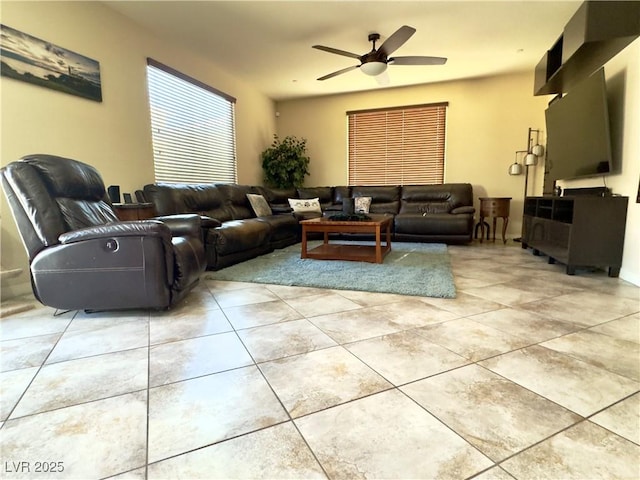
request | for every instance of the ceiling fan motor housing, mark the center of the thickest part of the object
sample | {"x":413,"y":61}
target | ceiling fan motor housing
{"x":374,"y":55}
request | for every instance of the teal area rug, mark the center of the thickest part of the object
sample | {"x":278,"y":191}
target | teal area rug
{"x":419,"y":269}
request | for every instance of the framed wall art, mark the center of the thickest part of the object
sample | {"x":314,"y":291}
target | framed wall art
{"x":39,"y":62}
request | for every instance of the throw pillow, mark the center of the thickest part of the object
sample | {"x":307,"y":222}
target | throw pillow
{"x":260,"y":205}
{"x":362,"y":204}
{"x":305,"y":205}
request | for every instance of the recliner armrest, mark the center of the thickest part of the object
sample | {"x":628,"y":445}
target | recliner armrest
{"x":466,"y":209}
{"x":208,"y":222}
{"x":183,"y":225}
{"x":147,"y":228}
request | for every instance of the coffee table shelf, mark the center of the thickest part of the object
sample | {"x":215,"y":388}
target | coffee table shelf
{"x":357,"y":253}
{"x":351,"y":251}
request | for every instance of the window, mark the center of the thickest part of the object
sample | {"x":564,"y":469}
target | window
{"x":192,"y":128}
{"x":397,"y":146}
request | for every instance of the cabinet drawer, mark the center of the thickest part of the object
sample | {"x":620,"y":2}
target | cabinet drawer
{"x":496,"y":212}
{"x":495,"y":208}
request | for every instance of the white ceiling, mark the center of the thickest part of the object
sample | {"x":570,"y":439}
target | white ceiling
{"x":268,"y":43}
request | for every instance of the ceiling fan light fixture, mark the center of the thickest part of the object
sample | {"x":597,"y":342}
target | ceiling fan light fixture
{"x":373,"y":68}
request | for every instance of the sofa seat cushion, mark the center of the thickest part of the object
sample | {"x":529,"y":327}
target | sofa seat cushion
{"x":238,"y":235}
{"x":433,"y":224}
{"x":425,"y":207}
{"x":282,"y":226}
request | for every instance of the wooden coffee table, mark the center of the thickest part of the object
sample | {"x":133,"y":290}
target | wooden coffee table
{"x":352,"y":250}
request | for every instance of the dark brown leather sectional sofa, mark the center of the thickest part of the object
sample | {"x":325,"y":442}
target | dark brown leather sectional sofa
{"x":232,"y":232}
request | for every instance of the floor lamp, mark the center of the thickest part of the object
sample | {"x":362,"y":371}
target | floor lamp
{"x":531,"y":158}
{"x":532,"y":153}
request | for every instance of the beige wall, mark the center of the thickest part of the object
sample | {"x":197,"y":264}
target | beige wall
{"x":113,"y":135}
{"x":488,"y":120}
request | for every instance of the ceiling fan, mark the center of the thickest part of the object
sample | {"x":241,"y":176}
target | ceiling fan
{"x":375,"y":62}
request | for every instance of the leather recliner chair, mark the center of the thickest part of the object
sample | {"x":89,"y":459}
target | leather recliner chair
{"x":81,"y":256}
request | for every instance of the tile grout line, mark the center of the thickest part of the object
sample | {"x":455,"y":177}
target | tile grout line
{"x":289,"y":420}
{"x":148,"y":402}
{"x":42,"y":365}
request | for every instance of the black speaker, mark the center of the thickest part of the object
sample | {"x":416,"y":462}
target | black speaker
{"x":140,"y":198}
{"x":114,"y":193}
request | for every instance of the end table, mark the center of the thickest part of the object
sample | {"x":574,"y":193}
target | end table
{"x":495,"y":207}
{"x":134,"y":211}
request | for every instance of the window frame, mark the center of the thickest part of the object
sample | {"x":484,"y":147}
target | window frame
{"x":179,"y":157}
{"x":400,"y":158}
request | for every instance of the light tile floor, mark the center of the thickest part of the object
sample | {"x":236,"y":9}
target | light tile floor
{"x":528,"y":373}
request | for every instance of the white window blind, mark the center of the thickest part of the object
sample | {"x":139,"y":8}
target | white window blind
{"x":397,"y":146}
{"x":193,"y":128}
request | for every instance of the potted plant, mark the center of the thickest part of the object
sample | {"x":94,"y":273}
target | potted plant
{"x":285,"y":162}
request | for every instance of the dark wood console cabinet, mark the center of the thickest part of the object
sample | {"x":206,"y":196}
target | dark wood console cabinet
{"x":578,"y":231}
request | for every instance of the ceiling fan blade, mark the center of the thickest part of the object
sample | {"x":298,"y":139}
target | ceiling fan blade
{"x":339,"y":72}
{"x":336,"y":51}
{"x":417,"y":61}
{"x":397,"y":39}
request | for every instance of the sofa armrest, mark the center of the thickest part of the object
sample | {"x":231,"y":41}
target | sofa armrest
{"x":466,"y":209}
{"x":142,"y":228}
{"x":277,"y":209}
{"x":208,"y":222}
{"x":183,"y":225}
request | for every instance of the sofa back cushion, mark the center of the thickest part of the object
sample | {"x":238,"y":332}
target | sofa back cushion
{"x":203,"y":199}
{"x":51,"y":195}
{"x":206,"y":200}
{"x":236,"y":201}
{"x":440,"y":198}
{"x":277,"y":196}
{"x":76,"y":189}
{"x":167,"y":198}
{"x":384,"y":199}
{"x":340,"y":193}
{"x":323,"y":194}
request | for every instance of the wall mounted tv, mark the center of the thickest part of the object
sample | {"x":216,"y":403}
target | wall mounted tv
{"x":578,"y":138}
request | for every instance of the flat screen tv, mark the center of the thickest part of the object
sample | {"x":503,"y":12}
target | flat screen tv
{"x":578,"y":138}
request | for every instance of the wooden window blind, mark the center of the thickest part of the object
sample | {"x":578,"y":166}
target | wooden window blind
{"x":193,"y":128}
{"x":397,"y":146}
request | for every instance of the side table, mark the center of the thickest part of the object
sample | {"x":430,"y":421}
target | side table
{"x":133,"y":211}
{"x":495,"y":207}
